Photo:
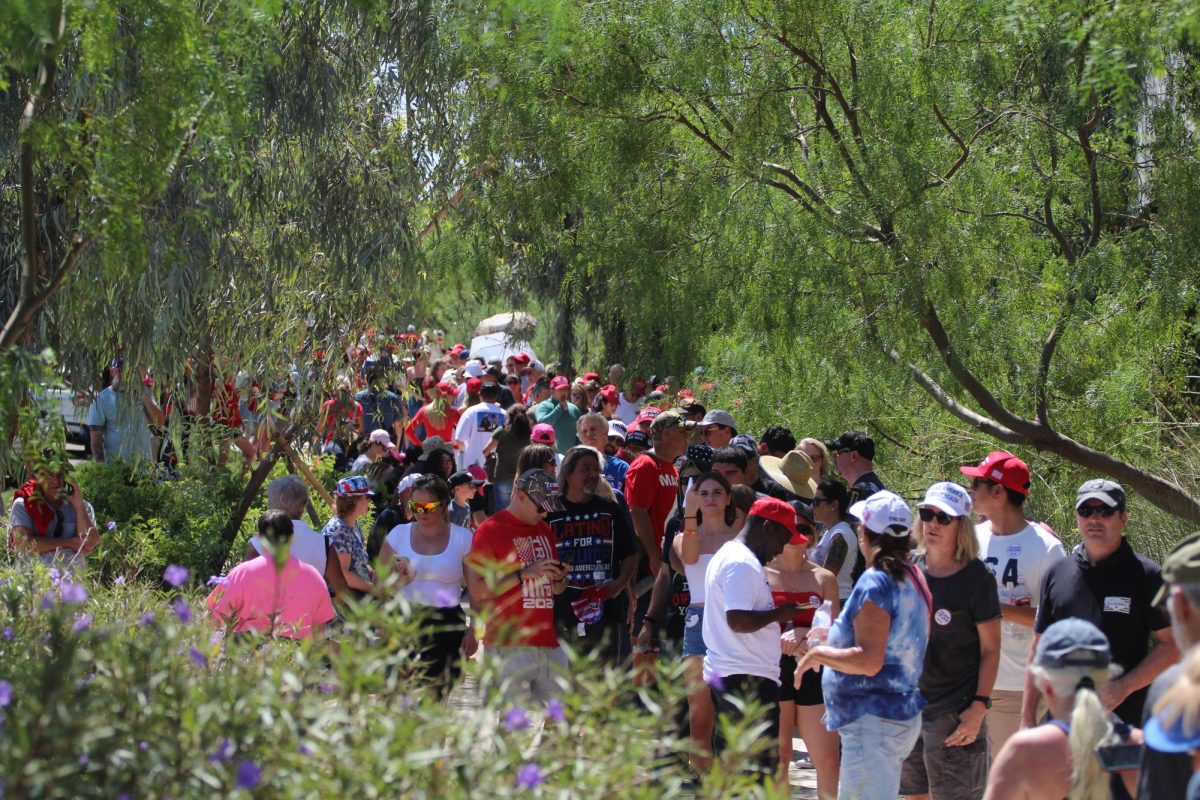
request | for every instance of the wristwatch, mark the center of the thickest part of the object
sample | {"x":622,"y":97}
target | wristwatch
{"x":979,"y":698}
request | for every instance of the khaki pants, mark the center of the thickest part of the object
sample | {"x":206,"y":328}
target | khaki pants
{"x":1003,"y":718}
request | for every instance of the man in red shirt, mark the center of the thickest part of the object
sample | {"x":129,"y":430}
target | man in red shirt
{"x":513,"y":573}
{"x":650,"y":485}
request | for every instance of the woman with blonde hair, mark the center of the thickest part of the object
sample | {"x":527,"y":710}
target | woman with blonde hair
{"x":1175,"y":726}
{"x":1057,"y":759}
{"x":818,"y":454}
{"x":951,"y":756}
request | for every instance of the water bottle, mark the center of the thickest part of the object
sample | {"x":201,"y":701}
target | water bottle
{"x":822,"y":621}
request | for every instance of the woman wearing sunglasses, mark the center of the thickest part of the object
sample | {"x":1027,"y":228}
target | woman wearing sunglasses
{"x":427,"y":557}
{"x":951,"y":757}
{"x":793,"y":578}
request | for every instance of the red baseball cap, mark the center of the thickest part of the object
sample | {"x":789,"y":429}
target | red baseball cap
{"x":647,"y":414}
{"x":779,"y":511}
{"x":591,"y":376}
{"x":559,"y":383}
{"x":609,"y":393}
{"x":521,"y":358}
{"x":446,"y":389}
{"x":1004,"y":468}
{"x":474,"y":385}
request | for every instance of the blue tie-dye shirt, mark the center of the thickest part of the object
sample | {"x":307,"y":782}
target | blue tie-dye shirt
{"x":892,"y":692}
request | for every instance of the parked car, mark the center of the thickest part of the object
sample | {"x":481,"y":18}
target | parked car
{"x":73,"y":407}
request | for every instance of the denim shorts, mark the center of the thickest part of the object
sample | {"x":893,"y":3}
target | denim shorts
{"x":693,"y":632}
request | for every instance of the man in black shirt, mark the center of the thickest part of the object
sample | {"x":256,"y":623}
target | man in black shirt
{"x":854,"y":457}
{"x":1106,"y":583}
{"x":1167,"y":774}
{"x":596,"y":543}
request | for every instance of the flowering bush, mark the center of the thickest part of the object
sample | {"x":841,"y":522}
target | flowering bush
{"x":124,"y":690}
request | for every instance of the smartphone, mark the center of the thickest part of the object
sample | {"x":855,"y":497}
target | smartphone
{"x":1119,"y":757}
{"x":68,"y":489}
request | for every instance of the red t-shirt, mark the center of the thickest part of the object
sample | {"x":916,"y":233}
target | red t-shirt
{"x":524,"y":615}
{"x":651,"y":483}
{"x":422,"y":418}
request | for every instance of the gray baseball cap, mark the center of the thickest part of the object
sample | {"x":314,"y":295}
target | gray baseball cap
{"x":719,"y":417}
{"x":1107,"y":492}
{"x":541,"y":488}
{"x":1072,"y":642}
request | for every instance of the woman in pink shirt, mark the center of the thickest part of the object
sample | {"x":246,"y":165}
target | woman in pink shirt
{"x":276,"y":593}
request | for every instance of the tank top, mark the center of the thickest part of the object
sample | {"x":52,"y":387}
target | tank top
{"x":695,"y":577}
{"x":439,"y":577}
{"x":804,"y":618}
{"x":1116,"y":786}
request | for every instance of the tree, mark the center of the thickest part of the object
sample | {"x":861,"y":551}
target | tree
{"x":966,"y":181}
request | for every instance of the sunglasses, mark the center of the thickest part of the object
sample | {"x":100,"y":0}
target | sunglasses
{"x":422,"y":508}
{"x":1104,"y":511}
{"x":929,"y":515}
{"x":976,"y":483}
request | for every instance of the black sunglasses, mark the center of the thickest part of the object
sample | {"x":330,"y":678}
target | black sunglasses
{"x":977,"y":482}
{"x":929,"y":515}
{"x":1104,"y":511}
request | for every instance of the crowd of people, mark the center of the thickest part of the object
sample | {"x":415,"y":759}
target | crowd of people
{"x":949,"y":649}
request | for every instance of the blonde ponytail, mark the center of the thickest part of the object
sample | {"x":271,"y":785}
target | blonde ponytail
{"x":1089,"y":726}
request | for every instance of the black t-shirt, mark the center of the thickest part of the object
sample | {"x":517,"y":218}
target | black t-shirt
{"x":961,"y":602}
{"x":1163,"y":774}
{"x":671,"y":627}
{"x":867,"y":484}
{"x":593,"y":538}
{"x":385,"y":520}
{"x":1114,"y":595}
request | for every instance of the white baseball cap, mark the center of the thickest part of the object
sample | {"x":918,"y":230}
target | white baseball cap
{"x":882,"y":511}
{"x":473,"y":369}
{"x":948,"y":497}
{"x":380,"y":436}
{"x":617,"y":428}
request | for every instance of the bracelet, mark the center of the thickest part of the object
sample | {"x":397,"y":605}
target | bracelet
{"x":691,"y":533}
{"x":685,"y":519}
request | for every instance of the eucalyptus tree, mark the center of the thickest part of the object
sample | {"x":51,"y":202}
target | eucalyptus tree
{"x":969,"y":190}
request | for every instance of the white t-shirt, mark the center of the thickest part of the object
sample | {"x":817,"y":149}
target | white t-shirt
{"x":735,"y":581}
{"x":476,"y":427}
{"x":1018,"y":561}
{"x":307,"y":545}
{"x":439,"y":578}
{"x":626,"y":411}
{"x":819,"y":553}
{"x":361,"y":465}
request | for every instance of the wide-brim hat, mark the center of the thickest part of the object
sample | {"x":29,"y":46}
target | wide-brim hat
{"x":793,"y":472}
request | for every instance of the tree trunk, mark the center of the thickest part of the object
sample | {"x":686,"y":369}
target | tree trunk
{"x":257,"y":479}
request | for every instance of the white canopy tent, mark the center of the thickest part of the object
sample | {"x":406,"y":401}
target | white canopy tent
{"x":514,"y":322}
{"x":499,"y":346}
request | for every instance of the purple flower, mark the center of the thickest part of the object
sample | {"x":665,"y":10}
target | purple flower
{"x":515,"y":719}
{"x":119,"y":580}
{"x":305,"y":749}
{"x":55,"y":576}
{"x":182,"y":612}
{"x":248,"y":774}
{"x":84,"y":681}
{"x":198,"y":658}
{"x":82,"y":622}
{"x":555,"y":711}
{"x":223,"y":753}
{"x":175,"y":575}
{"x":73,"y":593}
{"x":145,"y":619}
{"x":530,"y":776}
{"x":83,"y":760}
{"x":143,"y":746}
{"x":47,"y":601}
{"x":715,"y":683}
{"x":217,"y":580}
{"x":6,"y":693}
{"x":111,"y":525}
{"x":326,"y":688}
{"x":447,"y":597}
{"x":7,"y":634}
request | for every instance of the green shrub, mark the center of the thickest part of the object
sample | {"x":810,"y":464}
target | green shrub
{"x":117,"y":696}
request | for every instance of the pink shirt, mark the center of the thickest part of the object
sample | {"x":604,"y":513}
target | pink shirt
{"x":253,"y":593}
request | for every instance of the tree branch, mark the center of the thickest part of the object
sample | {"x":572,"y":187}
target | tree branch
{"x":1085,"y":143}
